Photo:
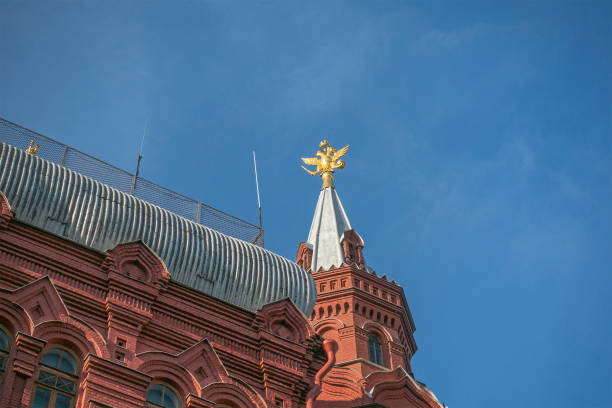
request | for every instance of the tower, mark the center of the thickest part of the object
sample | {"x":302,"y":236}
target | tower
{"x":365,"y":313}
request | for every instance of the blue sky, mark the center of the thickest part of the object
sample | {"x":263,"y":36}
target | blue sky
{"x":479,"y":173}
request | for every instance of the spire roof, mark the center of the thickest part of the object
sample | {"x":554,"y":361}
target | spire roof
{"x":327,"y":231}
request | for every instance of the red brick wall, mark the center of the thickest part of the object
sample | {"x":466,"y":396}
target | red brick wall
{"x":351,"y":305}
{"x":129,"y":325}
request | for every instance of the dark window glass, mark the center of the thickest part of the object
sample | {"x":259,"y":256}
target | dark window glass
{"x":60,"y":359}
{"x":42,"y":398}
{"x":62,"y":401}
{"x":162,"y":396}
{"x":375,"y":349}
{"x":4,"y":342}
{"x":4,"y":354}
{"x":56,"y":382}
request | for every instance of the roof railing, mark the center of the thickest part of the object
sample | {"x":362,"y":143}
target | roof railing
{"x":129,"y":183}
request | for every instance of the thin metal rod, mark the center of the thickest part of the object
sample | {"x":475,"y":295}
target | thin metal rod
{"x":260,"y":234}
{"x":133,"y":186}
{"x":257,"y":184}
{"x":135,"y":178}
{"x":64,"y":156}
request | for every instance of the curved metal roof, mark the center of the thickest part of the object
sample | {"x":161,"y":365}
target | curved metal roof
{"x":69,"y":204}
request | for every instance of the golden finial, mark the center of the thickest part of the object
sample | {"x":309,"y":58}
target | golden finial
{"x":32,"y":149}
{"x":327,"y":161}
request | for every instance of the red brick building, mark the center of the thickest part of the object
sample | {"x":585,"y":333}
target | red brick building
{"x":365,"y":314}
{"x":109,"y":301}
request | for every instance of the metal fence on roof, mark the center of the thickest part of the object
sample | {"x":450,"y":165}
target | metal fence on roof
{"x":126,"y":182}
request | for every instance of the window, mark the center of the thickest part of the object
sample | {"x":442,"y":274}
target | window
{"x":4,"y":354}
{"x":56,"y":382}
{"x":375,"y":349}
{"x":160,"y":395}
{"x":4,"y":350}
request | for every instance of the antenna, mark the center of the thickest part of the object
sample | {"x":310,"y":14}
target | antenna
{"x":258,"y":198}
{"x":133,"y":186}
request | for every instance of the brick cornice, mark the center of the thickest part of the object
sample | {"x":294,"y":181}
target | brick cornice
{"x":195,"y":402}
{"x":361,"y":294}
{"x":352,"y":331}
{"x":113,"y":383}
{"x":27,"y":350}
{"x":107,"y":368}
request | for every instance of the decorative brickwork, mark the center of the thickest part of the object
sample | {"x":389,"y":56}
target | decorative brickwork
{"x":368,"y":317}
{"x":129,"y":325}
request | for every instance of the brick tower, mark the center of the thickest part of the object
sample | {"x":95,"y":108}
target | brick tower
{"x":365,"y":313}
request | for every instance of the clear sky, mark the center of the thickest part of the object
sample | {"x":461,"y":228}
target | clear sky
{"x":479,"y":172}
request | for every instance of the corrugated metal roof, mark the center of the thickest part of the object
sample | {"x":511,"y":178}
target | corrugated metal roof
{"x":69,"y":204}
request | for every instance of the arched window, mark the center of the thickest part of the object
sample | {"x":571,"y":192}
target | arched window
{"x":5,"y":348}
{"x":160,"y":395}
{"x":375,"y":350}
{"x":56,"y":385}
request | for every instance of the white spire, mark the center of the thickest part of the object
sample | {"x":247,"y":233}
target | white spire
{"x":327,"y":230}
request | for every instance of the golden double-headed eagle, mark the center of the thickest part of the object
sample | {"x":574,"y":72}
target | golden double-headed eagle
{"x":327,"y":161}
